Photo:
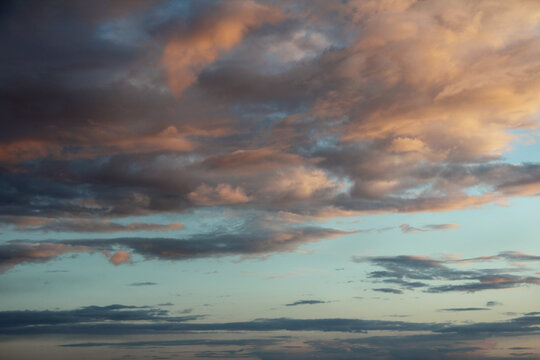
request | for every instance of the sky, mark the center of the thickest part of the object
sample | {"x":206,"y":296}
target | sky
{"x":270,"y":179}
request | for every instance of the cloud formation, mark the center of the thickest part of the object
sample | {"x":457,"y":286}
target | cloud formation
{"x":306,"y":302}
{"x":386,"y":339}
{"x":410,"y":272}
{"x":310,"y":109}
{"x":406,"y":228}
{"x":249,"y":242}
{"x":27,"y":223}
{"x":208,"y":34}
{"x":90,"y":320}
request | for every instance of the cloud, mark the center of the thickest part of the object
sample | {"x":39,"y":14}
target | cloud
{"x":26,"y":223}
{"x":195,"y":342}
{"x":464,"y":309}
{"x":162,"y":324}
{"x":120,"y":257}
{"x":411,"y":272}
{"x":144,"y":283}
{"x":493,"y":303}
{"x":84,"y":315}
{"x":221,"y":194}
{"x":406,"y":228}
{"x":15,"y":253}
{"x":145,"y":319}
{"x":306,"y":302}
{"x":252,"y":241}
{"x":393,"y":339}
{"x":215,"y":31}
{"x":374,"y":134}
{"x":389,"y":290}
{"x":310,"y":109}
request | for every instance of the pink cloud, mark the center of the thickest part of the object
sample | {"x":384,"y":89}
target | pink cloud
{"x":188,"y":54}
{"x":120,"y":257}
{"x":220,"y":194}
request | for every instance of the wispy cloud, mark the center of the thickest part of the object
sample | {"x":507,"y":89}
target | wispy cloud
{"x":251,"y":242}
{"x":411,"y":272}
{"x":464,"y":309}
{"x":406,"y":228}
{"x":389,"y":290}
{"x":306,"y":302}
{"x":82,"y":225}
{"x":143,"y":283}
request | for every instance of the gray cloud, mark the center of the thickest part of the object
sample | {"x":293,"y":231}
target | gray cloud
{"x":166,"y":343}
{"x":411,"y":272}
{"x":439,"y":341}
{"x":86,"y":315}
{"x":143,"y":283}
{"x":295,"y":93}
{"x":306,"y":302}
{"x":389,"y":290}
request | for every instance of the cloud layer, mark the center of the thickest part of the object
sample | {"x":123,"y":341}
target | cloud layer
{"x":310,"y":109}
{"x":351,"y":338}
{"x":410,"y":272}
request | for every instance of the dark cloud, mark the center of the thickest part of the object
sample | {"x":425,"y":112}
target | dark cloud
{"x":251,"y":242}
{"x":166,"y":343}
{"x":389,"y":290}
{"x":163,"y":324}
{"x":143,"y":283}
{"x":22,"y":223}
{"x":306,"y":302}
{"x":87,"y":315}
{"x":407,"y":270}
{"x":111,"y":110}
{"x":440,"y":340}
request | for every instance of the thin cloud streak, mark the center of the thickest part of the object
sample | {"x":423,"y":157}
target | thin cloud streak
{"x":245,"y":244}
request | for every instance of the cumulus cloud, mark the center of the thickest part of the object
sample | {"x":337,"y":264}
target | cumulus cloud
{"x":216,"y":30}
{"x":314,"y":109}
{"x":118,"y":257}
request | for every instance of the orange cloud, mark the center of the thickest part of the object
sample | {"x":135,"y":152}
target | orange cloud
{"x":458,"y":77}
{"x":23,"y":150}
{"x":34,"y":253}
{"x":220,"y":194}
{"x":186,"y":55}
{"x":120,"y":257}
